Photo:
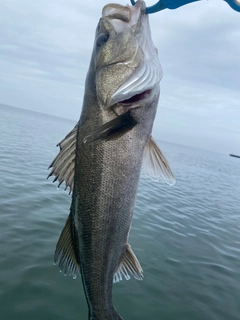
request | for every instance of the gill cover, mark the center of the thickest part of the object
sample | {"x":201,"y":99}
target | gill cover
{"x":127,"y":62}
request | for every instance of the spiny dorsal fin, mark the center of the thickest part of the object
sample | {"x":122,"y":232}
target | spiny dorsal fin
{"x":65,"y":255}
{"x":63,"y":166}
{"x":129,"y":263}
{"x":113,"y":129}
{"x":155,"y":165}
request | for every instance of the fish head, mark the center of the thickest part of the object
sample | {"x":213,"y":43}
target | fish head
{"x":127,"y":69}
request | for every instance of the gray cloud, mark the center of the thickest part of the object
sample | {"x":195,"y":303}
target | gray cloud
{"x":45,"y":48}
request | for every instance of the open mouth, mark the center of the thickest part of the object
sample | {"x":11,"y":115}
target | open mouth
{"x":140,"y":97}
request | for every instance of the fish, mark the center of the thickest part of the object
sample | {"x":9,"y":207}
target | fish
{"x":100,"y":160}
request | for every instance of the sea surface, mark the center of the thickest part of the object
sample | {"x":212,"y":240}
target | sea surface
{"x":186,"y":237}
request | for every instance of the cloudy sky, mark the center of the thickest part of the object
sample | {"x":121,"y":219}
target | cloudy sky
{"x":45,"y":48}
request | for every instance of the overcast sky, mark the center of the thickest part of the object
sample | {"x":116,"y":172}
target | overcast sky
{"x":45,"y":48}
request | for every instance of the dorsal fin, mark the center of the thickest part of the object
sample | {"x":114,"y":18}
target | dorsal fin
{"x":155,"y":165}
{"x":129,"y":263}
{"x":65,"y":255}
{"x":63,"y":166}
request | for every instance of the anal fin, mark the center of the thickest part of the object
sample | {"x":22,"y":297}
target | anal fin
{"x":65,"y":255}
{"x":155,"y":165}
{"x":128,"y":264}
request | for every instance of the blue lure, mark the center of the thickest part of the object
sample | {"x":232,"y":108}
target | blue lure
{"x":174,"y":4}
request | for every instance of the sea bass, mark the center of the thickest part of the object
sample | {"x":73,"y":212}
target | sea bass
{"x":101,"y":158}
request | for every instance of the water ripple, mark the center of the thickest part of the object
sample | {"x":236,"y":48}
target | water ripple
{"x":186,"y":237}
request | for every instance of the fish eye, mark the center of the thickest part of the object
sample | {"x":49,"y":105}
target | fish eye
{"x":102,"y":39}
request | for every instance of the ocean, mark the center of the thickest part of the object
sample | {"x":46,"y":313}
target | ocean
{"x":186,"y":237}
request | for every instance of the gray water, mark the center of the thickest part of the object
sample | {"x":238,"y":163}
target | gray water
{"x":186,"y":237}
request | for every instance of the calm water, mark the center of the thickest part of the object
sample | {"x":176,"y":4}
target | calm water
{"x":186,"y":237}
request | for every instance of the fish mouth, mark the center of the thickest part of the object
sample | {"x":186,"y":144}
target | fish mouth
{"x":119,"y":15}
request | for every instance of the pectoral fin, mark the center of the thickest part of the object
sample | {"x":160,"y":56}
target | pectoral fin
{"x":129,"y":263}
{"x":65,"y":255}
{"x":112,"y":129}
{"x":155,"y":165}
{"x":63,"y":166}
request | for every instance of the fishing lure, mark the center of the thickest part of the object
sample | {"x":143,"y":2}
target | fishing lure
{"x":174,"y":4}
